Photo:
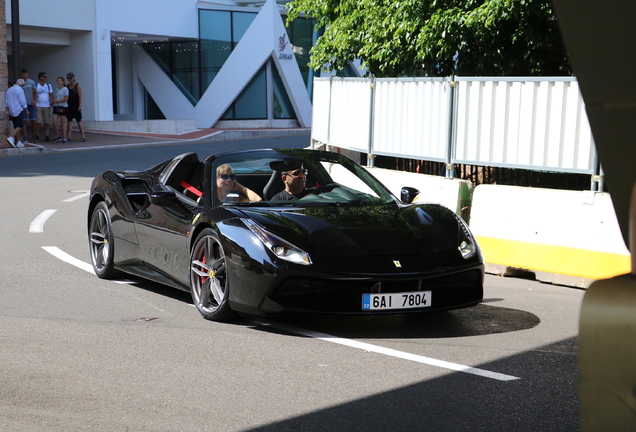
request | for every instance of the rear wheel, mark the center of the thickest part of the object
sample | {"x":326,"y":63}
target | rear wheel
{"x":209,"y":283}
{"x":100,"y":238}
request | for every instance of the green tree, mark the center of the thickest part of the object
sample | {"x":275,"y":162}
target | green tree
{"x":437,"y":37}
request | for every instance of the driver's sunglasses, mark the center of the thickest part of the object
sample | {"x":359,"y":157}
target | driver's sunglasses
{"x":298,"y":172}
{"x":227,"y":176}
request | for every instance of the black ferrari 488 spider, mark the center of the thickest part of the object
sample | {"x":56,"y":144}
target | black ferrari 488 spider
{"x":281,"y":232}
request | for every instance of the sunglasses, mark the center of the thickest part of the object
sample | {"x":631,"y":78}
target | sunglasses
{"x":297,"y":173}
{"x":227,"y":176}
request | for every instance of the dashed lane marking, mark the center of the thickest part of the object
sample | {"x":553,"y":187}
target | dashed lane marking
{"x":37,"y":226}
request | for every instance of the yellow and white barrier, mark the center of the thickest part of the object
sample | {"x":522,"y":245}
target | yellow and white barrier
{"x":566,"y":237}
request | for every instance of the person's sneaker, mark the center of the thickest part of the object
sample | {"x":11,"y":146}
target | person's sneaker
{"x":46,"y":138}
{"x":11,"y":141}
{"x":57,"y":139}
{"x":19,"y":144}
{"x":63,"y":140}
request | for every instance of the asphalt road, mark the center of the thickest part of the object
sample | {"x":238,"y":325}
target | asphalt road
{"x":78,"y":353}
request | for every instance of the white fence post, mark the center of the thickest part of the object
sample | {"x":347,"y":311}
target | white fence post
{"x":370,"y":155}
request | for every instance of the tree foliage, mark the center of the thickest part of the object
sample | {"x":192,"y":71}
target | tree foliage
{"x":437,"y":37}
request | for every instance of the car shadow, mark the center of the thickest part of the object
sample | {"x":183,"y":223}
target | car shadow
{"x":479,"y":320}
{"x":544,"y":399}
{"x":157,"y":288}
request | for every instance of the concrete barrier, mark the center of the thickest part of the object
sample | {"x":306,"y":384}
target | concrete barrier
{"x":454,"y":194}
{"x":564,"y":237}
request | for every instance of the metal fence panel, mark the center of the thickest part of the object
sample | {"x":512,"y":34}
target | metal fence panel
{"x":532,"y":123}
{"x":321,"y":110}
{"x":411,"y":118}
{"x":523,"y":123}
{"x":350,"y":113}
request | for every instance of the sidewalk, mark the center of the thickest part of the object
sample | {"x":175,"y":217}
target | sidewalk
{"x":96,"y":139}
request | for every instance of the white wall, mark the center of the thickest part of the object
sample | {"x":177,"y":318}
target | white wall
{"x":59,"y":60}
{"x":89,"y":25}
{"x":175,"y":18}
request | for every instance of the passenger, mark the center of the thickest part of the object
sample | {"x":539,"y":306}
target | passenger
{"x":295,"y":179}
{"x":60,"y":107}
{"x":226,"y":183}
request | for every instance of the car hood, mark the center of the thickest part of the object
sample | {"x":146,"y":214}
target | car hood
{"x":386,"y":230}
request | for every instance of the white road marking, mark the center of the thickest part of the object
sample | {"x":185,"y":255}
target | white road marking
{"x":58,"y":253}
{"x":76,"y":197}
{"x":37,"y":226}
{"x":391,"y":352}
{"x":61,"y":255}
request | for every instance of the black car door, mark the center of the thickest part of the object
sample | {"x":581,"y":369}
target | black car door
{"x":162,"y":229}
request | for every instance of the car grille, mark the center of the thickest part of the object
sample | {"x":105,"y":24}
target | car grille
{"x":345,"y":296}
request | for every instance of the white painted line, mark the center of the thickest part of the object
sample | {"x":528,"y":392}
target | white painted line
{"x":37,"y":226}
{"x":69,"y":259}
{"x":391,"y":352}
{"x":76,"y":197}
{"x":60,"y":254}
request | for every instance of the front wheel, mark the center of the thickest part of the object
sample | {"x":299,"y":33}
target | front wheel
{"x":100,"y":238}
{"x":209,"y":283}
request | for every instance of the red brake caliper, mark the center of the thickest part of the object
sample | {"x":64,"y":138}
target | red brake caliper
{"x":203,"y":260}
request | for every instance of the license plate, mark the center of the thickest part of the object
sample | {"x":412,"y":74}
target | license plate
{"x":404,"y":300}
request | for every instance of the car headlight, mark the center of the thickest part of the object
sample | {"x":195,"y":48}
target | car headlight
{"x":279,"y":247}
{"x":467,"y":244}
{"x":467,"y":248}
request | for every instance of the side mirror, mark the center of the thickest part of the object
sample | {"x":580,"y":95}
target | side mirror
{"x":164,"y":198}
{"x":408,"y":194}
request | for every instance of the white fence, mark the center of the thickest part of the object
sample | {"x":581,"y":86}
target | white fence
{"x":531,"y":123}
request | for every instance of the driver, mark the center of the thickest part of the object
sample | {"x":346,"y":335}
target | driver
{"x":226,"y":183}
{"x":294,"y":178}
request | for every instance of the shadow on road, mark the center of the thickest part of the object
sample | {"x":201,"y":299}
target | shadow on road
{"x":461,"y":402}
{"x":475,"y":321}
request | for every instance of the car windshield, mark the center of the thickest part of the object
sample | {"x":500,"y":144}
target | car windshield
{"x":294,"y":178}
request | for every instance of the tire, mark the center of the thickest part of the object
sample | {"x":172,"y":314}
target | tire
{"x":209,"y":284}
{"x":100,"y":241}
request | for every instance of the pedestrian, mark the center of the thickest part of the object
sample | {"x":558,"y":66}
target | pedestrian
{"x":74,"y":106}
{"x":60,"y":110}
{"x":43,"y":106}
{"x":31,"y":97}
{"x":15,"y":104}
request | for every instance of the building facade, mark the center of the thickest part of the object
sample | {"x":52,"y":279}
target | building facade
{"x":218,"y":61}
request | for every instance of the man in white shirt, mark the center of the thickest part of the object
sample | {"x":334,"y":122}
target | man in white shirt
{"x":43,"y":106}
{"x":15,"y":104}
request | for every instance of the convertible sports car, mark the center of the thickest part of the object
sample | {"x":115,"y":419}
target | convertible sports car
{"x":282,"y":232}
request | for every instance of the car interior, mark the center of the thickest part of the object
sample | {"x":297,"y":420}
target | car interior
{"x":186,"y":176}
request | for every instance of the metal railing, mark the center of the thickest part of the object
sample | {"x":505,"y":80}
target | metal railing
{"x":528,"y":123}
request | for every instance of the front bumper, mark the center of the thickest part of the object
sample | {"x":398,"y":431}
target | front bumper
{"x":298,"y":295}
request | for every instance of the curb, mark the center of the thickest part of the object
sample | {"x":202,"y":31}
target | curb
{"x":225,"y":135}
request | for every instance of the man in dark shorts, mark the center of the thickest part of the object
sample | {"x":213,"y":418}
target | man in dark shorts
{"x":15,"y":103}
{"x":31,"y":97}
{"x":74,"y":106}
